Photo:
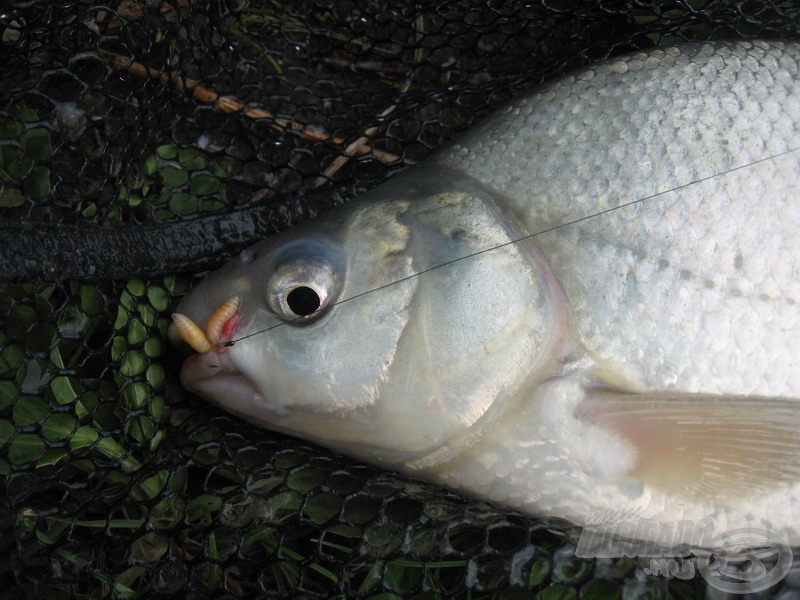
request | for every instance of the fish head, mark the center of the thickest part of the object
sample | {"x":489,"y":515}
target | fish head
{"x":386,"y":330}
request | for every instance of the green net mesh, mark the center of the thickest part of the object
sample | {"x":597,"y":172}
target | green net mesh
{"x":117,"y":483}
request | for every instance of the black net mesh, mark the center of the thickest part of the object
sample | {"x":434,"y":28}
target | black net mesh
{"x":116,"y":483}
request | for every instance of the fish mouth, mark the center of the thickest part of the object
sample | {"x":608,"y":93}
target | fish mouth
{"x":214,"y":375}
{"x":212,"y":372}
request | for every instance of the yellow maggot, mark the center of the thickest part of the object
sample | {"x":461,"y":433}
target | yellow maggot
{"x":220,"y":317}
{"x":191,"y":333}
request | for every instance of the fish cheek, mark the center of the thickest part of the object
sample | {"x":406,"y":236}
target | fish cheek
{"x":322,"y":379}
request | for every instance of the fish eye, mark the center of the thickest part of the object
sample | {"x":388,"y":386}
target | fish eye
{"x":301,"y":288}
{"x":303,"y":301}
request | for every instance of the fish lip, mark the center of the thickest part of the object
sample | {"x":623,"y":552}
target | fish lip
{"x":209,"y":374}
{"x":214,"y":377}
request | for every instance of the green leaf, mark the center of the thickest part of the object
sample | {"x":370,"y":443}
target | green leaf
{"x":157,"y":409}
{"x":151,"y":165}
{"x":176,"y":284}
{"x":173,"y":177}
{"x":123,"y":316}
{"x":135,"y":395}
{"x":167,"y":151}
{"x":361,"y":509}
{"x":136,"y":287}
{"x":133,"y":362}
{"x":150,"y":547}
{"x":307,"y":479}
{"x":203,"y":185}
{"x":25,"y":448}
{"x":92,"y":300}
{"x":347,"y":531}
{"x":7,"y":429}
{"x":127,"y":578}
{"x":52,"y":458}
{"x":10,"y":128}
{"x":38,"y":185}
{"x":570,"y":570}
{"x":23,"y":112}
{"x":123,"y":591}
{"x":29,"y":410}
{"x":90,"y":211}
{"x":179,"y":481}
{"x":403,"y":574}
{"x":267,"y":538}
{"x":158,"y":297}
{"x":540,"y":568}
{"x":38,"y":143}
{"x":156,"y":439}
{"x":558,"y":592}
{"x":153,"y":348}
{"x":22,"y":317}
{"x":88,"y":402}
{"x":8,"y":392}
{"x":211,"y":205}
{"x":11,"y":198}
{"x":168,"y":513}
{"x":183,"y":203}
{"x":140,"y":427}
{"x":72,"y":321}
{"x":113,"y":449}
{"x":150,"y":487}
{"x":10,"y":357}
{"x":289,"y":459}
{"x":14,"y":163}
{"x":207,"y":455}
{"x":218,"y":170}
{"x":33,"y":375}
{"x":83,"y":437}
{"x":118,"y":347}
{"x":191,"y":159}
{"x":201,"y":509}
{"x":148,"y":314}
{"x":265,"y":484}
{"x":58,"y":426}
{"x":600,"y":590}
{"x":41,"y":213}
{"x":156,"y":375}
{"x":64,"y":390}
{"x":137,"y":332}
{"x":321,"y":508}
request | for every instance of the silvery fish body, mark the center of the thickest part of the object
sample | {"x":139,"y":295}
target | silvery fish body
{"x":589,"y":302}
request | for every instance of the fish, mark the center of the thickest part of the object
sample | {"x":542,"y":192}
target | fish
{"x":588,"y":303}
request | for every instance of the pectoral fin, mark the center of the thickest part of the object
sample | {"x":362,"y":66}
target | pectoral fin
{"x":702,"y":444}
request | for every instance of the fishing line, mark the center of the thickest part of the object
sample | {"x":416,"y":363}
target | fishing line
{"x":530,"y":236}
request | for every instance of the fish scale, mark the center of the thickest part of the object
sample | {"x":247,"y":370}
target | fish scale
{"x":589,"y":302}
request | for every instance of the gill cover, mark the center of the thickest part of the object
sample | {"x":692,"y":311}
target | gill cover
{"x":422,"y":318}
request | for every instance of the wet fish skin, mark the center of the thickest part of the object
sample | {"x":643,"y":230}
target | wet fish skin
{"x":637,"y":348}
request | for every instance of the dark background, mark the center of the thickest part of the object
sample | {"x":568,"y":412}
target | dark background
{"x":164,"y":130}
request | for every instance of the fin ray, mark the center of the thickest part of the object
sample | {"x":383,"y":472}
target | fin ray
{"x":712,"y":446}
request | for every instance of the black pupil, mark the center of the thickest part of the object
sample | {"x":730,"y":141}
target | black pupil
{"x":303,"y":301}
